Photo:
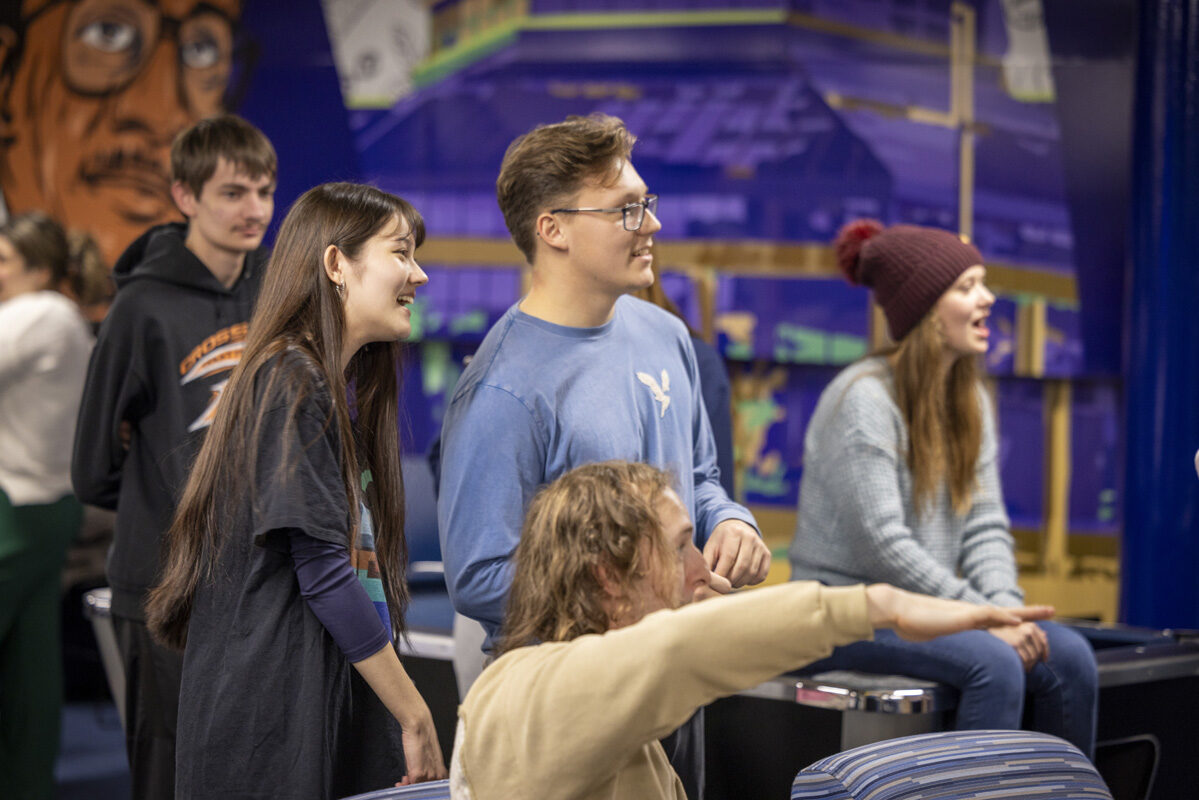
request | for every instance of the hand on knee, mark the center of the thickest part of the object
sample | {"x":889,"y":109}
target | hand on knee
{"x":1028,"y":640}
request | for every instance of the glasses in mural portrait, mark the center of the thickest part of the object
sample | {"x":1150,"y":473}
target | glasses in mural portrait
{"x":91,"y":94}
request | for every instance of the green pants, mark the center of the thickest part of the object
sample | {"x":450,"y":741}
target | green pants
{"x":33,"y":547}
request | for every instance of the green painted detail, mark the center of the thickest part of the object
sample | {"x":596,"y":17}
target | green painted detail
{"x":422,"y":320}
{"x":844,"y":348}
{"x":373,"y":586}
{"x":1106,"y":514}
{"x":370,"y":102}
{"x":757,"y":414}
{"x":1107,"y":496}
{"x":470,"y":322}
{"x":779,"y":553}
{"x":655,"y":19}
{"x":798,"y":344}
{"x":456,"y":57}
{"x":436,"y":363}
{"x":764,"y":485}
{"x":1033,"y":97}
{"x":739,"y":351}
{"x":366,"y":479}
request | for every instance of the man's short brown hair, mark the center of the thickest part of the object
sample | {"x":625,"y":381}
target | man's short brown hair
{"x":549,"y":164}
{"x":197,"y":151}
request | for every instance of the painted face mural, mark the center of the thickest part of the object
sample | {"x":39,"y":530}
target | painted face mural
{"x":93,"y":92}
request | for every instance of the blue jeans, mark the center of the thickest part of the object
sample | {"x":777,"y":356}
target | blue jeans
{"x":991,"y":680}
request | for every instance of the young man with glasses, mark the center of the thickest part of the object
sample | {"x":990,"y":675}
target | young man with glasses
{"x":578,"y":372}
{"x":164,"y":353}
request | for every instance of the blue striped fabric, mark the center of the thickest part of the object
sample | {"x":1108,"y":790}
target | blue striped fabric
{"x":434,"y":790}
{"x":957,"y":765}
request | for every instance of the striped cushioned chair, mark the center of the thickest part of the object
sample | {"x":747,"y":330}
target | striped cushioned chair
{"x":434,"y":790}
{"x":957,"y":765}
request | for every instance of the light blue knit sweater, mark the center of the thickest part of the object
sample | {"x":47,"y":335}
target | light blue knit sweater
{"x":857,"y":522}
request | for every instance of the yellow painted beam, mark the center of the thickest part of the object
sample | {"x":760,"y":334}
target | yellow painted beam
{"x":1058,"y":562}
{"x":747,"y":257}
{"x":961,"y":80}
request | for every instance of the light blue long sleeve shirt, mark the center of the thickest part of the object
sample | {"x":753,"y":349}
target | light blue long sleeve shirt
{"x":538,"y":400}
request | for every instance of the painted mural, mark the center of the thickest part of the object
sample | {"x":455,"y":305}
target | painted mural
{"x":92,"y":93}
{"x":763,"y":124}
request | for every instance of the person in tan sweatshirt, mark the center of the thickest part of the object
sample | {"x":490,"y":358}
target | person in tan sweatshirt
{"x":602,"y":654}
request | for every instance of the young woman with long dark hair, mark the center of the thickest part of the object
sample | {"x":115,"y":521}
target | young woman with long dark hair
{"x":284,"y":578}
{"x":901,"y":485}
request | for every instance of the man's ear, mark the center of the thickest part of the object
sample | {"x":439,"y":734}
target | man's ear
{"x":550,"y":230}
{"x":333,"y":260}
{"x":611,"y":588}
{"x":181,"y":193}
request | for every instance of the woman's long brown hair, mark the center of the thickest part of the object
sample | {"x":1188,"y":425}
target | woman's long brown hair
{"x":942,"y":413}
{"x":298,"y":309}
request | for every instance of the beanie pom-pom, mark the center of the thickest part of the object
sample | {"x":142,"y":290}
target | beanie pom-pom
{"x":848,"y":246}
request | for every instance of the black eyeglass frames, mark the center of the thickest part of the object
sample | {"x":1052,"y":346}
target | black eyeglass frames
{"x":633,"y":214}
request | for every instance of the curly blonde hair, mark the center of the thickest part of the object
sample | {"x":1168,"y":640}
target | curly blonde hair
{"x":597,"y":517}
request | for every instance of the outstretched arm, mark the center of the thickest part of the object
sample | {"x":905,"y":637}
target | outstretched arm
{"x":919,"y":617}
{"x":630,"y":686}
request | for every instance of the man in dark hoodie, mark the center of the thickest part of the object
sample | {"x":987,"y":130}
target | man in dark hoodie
{"x":164,"y":353}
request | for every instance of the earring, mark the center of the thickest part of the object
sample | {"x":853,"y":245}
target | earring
{"x":341,"y":289}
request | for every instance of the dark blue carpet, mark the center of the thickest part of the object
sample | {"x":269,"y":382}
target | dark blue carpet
{"x":91,"y":764}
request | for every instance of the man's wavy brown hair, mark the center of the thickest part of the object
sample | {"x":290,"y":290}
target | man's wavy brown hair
{"x":597,"y":517}
{"x":547,"y":167}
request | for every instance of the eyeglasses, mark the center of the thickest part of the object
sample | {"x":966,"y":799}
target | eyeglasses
{"x":108,"y":43}
{"x":633,"y":214}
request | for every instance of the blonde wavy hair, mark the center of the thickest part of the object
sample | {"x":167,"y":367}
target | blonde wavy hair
{"x":600,"y":517}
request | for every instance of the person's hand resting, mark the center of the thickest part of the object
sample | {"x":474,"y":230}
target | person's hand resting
{"x":918,"y":617}
{"x":736,"y":551}
{"x":1030,"y":642}
{"x":422,"y":752}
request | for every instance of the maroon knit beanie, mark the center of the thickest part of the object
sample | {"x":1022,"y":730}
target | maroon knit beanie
{"x":908,"y":267}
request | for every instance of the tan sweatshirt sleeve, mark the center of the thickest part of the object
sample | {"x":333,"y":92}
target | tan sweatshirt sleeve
{"x":581,"y":709}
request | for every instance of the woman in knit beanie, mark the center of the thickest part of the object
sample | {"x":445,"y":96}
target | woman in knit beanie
{"x":901,"y":485}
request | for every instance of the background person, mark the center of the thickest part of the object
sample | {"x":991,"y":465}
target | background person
{"x":599,"y":660}
{"x":44,"y":347}
{"x":274,"y":557}
{"x":163,"y":355}
{"x":901,"y":484}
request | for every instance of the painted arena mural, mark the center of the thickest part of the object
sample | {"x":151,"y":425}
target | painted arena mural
{"x":763,"y":124}
{"x":94,"y":91}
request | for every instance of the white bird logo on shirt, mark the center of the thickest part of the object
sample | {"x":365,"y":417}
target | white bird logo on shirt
{"x":661,"y":392}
